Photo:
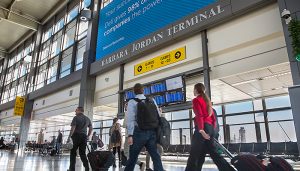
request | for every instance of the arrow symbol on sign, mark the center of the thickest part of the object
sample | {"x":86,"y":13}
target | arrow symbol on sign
{"x":139,"y":69}
{"x":177,"y":54}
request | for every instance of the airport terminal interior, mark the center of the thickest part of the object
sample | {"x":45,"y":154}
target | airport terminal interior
{"x":57,"y":55}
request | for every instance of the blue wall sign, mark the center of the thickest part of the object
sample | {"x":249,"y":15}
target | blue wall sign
{"x":124,"y":21}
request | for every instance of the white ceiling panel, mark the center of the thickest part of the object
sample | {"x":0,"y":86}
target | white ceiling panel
{"x":222,"y":93}
{"x":255,"y":74}
{"x":267,"y":84}
{"x":286,"y":79}
{"x":232,"y":79}
{"x":282,"y":68}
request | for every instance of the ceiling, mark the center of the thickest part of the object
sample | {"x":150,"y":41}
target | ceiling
{"x":20,"y":19}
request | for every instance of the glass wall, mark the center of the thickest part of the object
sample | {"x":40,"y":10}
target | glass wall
{"x":60,"y":54}
{"x":63,"y":45}
{"x":19,"y":64}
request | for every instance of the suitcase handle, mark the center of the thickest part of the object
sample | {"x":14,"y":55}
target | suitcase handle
{"x":223,"y":149}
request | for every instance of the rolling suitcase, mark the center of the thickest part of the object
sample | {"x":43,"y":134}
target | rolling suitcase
{"x":244,"y":162}
{"x":100,"y":160}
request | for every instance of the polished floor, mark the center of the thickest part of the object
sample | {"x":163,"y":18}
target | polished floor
{"x":34,"y":162}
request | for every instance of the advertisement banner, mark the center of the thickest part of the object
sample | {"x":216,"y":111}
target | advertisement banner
{"x":123,"y":22}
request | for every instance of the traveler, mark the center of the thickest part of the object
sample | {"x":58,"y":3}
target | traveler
{"x":202,"y":141}
{"x":79,"y":136}
{"x":94,"y":141}
{"x":142,"y":122}
{"x":40,"y":139}
{"x":2,"y":145}
{"x":126,"y":145}
{"x":58,"y":142}
{"x":116,"y":139}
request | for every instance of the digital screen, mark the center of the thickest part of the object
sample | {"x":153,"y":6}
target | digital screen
{"x":174,"y":83}
{"x":123,"y":22}
{"x":166,"y":92}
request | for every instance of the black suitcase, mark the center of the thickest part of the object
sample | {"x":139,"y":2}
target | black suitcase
{"x":244,"y":162}
{"x":100,"y":160}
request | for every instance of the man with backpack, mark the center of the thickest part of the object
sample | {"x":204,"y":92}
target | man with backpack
{"x":142,"y":122}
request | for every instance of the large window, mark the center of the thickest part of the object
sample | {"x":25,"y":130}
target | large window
{"x":80,"y":54}
{"x":72,"y":14}
{"x":238,"y":107}
{"x":65,"y":68}
{"x":19,"y":64}
{"x":40,"y":80}
{"x":52,"y":71}
{"x":56,"y":44}
{"x":70,"y":34}
{"x":59,"y":25}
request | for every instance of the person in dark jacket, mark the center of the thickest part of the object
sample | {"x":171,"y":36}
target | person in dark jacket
{"x":58,"y":142}
{"x":202,"y":141}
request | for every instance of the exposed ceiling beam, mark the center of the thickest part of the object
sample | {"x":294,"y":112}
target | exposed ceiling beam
{"x":10,"y":7}
{"x":21,"y":40}
{"x":18,"y":19}
{"x":54,"y":10}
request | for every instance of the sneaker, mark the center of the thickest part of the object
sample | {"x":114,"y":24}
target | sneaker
{"x":149,"y":169}
{"x":142,"y":166}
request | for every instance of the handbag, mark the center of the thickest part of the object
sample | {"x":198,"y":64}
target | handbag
{"x":69,"y":144}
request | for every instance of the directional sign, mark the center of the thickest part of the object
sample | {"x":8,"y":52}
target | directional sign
{"x":160,"y":61}
{"x":19,"y":106}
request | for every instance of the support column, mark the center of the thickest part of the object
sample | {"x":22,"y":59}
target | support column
{"x":205,"y":63}
{"x":121,"y":93}
{"x":266,"y":120}
{"x":25,"y":124}
{"x":88,"y":82}
{"x":294,"y":7}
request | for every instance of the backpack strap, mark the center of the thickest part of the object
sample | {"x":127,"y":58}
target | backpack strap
{"x":137,"y":100}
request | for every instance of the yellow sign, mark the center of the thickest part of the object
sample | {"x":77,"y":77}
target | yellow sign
{"x":19,"y":106}
{"x":160,"y":61}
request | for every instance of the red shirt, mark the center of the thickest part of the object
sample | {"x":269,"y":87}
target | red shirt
{"x":200,"y":110}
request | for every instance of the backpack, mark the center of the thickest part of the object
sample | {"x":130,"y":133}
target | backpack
{"x":164,"y":132}
{"x":115,"y":136}
{"x":147,"y":115}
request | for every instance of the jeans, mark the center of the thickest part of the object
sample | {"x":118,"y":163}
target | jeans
{"x":79,"y":141}
{"x":200,"y":147}
{"x":160,"y":150}
{"x":58,"y":145}
{"x":144,"y":138}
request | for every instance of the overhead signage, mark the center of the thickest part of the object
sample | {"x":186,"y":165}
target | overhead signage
{"x":160,"y":61}
{"x":19,"y":106}
{"x":123,"y":22}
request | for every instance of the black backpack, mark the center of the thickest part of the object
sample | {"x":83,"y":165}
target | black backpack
{"x":147,"y":115}
{"x":164,"y":132}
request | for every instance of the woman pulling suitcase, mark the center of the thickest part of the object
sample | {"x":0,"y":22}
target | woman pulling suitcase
{"x":202,"y":141}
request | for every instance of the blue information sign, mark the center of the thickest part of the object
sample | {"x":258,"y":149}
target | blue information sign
{"x":124,"y":21}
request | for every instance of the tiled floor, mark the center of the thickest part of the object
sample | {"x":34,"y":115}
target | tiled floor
{"x":34,"y":162}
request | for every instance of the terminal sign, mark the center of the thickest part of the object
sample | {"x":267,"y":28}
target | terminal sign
{"x":160,"y":61}
{"x":19,"y":106}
